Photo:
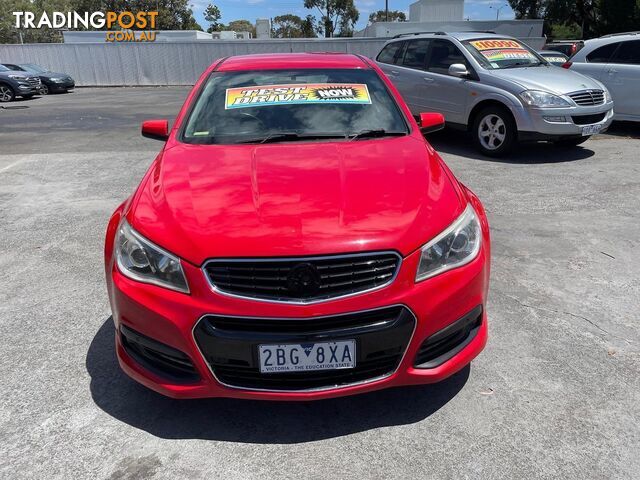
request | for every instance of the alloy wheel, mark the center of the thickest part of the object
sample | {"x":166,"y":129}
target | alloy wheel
{"x":492,"y":132}
{"x":6,"y":95}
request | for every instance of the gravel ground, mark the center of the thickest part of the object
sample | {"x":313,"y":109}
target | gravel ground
{"x":555,"y":394}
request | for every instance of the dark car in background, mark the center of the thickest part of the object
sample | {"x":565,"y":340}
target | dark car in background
{"x":17,"y":84}
{"x":52,"y":82}
{"x":567,"y":47}
{"x":554,"y":58}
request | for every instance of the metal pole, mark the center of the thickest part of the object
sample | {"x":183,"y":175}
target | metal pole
{"x":386,"y":10}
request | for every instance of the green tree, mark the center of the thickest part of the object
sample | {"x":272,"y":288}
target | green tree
{"x":212,"y":15}
{"x":310,"y":28}
{"x":394,"y":16}
{"x":334,"y":13}
{"x":528,"y":8}
{"x":287,"y":26}
{"x":242,"y":26}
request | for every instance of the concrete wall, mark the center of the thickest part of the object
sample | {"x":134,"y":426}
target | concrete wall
{"x":131,"y":64}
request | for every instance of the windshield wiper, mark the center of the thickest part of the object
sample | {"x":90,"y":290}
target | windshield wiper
{"x":375,"y":133}
{"x":524,"y":64}
{"x":292,"y":136}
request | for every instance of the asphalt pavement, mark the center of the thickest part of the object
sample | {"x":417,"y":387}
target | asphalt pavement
{"x":556,"y":393}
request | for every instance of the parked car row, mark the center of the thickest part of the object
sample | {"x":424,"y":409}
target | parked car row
{"x":497,"y":88}
{"x":28,"y":79}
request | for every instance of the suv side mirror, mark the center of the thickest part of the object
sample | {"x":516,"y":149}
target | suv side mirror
{"x":458,"y":70}
{"x":431,"y":122}
{"x":155,"y":129}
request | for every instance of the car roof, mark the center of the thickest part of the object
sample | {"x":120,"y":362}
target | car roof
{"x":613,"y":38}
{"x":276,"y":61}
{"x":457,"y":35}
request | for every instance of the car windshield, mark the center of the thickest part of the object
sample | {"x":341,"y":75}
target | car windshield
{"x":30,"y":67}
{"x":4,"y":69}
{"x":293,"y":105}
{"x":500,"y":53}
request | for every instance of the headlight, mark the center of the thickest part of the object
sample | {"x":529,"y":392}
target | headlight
{"x":536,"y":98}
{"x":143,"y":261}
{"x":57,"y":80}
{"x":456,"y":246}
{"x":607,"y":95}
{"x":17,"y":77}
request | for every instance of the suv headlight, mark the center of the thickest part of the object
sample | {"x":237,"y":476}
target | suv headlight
{"x":141,"y":260}
{"x":17,"y":77}
{"x":456,"y":246}
{"x":537,"y":98}
{"x":607,"y":95}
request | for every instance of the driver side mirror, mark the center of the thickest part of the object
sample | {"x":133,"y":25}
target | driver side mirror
{"x":458,"y":70}
{"x":431,"y":122}
{"x":155,"y":129}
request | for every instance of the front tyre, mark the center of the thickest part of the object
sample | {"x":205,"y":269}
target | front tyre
{"x":571,"y":141}
{"x":6,"y":93}
{"x":494,"y":131}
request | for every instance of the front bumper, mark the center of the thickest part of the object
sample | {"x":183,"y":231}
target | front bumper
{"x":61,"y":86}
{"x":172,"y":319}
{"x":550,"y":123}
{"x":25,"y":88}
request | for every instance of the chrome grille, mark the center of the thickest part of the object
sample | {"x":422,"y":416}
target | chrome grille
{"x":34,"y":81}
{"x":303,"y":279}
{"x":587,"y":97}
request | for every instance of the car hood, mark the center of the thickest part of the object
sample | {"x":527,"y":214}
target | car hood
{"x":16,"y":73}
{"x":549,"y":79}
{"x":294,"y":199}
{"x":52,"y":75}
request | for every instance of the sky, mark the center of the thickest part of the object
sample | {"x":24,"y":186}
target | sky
{"x":252,"y":9}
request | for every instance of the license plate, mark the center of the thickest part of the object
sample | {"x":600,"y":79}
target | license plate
{"x":305,"y":357}
{"x":591,"y":130}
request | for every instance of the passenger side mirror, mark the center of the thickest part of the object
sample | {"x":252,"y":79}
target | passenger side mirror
{"x":458,"y":70}
{"x":431,"y":122}
{"x":156,"y":129}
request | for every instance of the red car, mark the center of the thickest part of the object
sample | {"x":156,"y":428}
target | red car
{"x":296,"y":239}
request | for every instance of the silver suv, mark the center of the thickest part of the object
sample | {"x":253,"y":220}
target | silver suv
{"x":615,"y":61}
{"x":496,"y":87}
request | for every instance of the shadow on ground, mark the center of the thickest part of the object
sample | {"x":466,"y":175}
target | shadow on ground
{"x":252,"y":421}
{"x":460,"y":143}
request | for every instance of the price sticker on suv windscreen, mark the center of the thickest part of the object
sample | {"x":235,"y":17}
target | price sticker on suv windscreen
{"x":496,"y":50}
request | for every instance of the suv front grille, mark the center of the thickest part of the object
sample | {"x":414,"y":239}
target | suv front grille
{"x":230,"y":346}
{"x":304,"y":279}
{"x":587,"y":97}
{"x":34,"y":81}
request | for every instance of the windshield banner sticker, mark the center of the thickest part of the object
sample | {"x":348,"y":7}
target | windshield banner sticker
{"x":296,"y":94}
{"x":496,"y":50}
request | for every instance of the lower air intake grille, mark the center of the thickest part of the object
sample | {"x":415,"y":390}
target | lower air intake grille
{"x":304,"y":279}
{"x":443,"y":345}
{"x":230,"y":346}
{"x":161,"y":359}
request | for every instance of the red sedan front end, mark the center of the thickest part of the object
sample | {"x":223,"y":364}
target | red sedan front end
{"x":296,"y":239}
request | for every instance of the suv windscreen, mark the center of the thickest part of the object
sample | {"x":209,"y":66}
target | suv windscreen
{"x":4,"y":69}
{"x":32,"y":68}
{"x":281,"y":105}
{"x":499,"y":53}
